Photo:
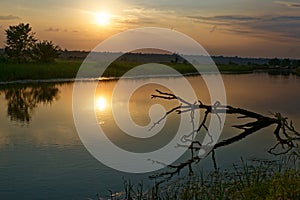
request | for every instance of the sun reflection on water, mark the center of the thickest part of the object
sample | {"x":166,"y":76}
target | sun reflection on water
{"x":101,"y":103}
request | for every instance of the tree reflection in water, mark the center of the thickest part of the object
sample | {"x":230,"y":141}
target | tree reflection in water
{"x":23,"y":99}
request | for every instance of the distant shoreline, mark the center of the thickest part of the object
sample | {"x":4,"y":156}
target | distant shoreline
{"x":66,"y":67}
{"x":70,"y":80}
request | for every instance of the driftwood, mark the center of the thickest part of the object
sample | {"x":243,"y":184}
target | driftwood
{"x":286,"y":135}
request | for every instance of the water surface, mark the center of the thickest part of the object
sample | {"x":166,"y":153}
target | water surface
{"x":42,"y":157}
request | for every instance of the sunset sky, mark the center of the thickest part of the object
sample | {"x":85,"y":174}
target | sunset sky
{"x":248,"y":28}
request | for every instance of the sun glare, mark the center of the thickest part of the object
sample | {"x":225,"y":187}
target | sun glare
{"x":102,"y":18}
{"x":101,"y":103}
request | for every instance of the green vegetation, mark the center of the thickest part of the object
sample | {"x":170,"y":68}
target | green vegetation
{"x":21,"y":71}
{"x":117,"y":69}
{"x":45,"y":52}
{"x":10,"y":71}
{"x":236,"y":69}
{"x":257,"y":180}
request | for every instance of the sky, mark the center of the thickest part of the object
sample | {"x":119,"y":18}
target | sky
{"x":247,"y":28}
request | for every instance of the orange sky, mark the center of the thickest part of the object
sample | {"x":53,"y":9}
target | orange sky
{"x":234,"y":27}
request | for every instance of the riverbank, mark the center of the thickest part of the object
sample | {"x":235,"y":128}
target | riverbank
{"x":67,"y":69}
{"x":248,"y":180}
{"x":34,"y":71}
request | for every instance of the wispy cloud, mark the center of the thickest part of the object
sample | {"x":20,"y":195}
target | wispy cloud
{"x":289,"y":4}
{"x":142,"y":16}
{"x":9,"y":17}
{"x":225,"y":20}
{"x":286,"y":26}
{"x":267,"y":27}
{"x":51,"y":29}
{"x":239,"y":18}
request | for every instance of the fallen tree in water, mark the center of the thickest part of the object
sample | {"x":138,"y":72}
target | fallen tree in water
{"x":286,"y":135}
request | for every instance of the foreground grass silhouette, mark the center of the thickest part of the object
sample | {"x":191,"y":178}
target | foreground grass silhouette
{"x":247,"y":180}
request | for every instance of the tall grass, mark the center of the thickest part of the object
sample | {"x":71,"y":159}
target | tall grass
{"x":68,"y":69}
{"x":22,"y":71}
{"x":247,"y":180}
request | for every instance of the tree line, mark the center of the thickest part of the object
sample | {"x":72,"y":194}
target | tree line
{"x":23,"y":47}
{"x":284,"y":62}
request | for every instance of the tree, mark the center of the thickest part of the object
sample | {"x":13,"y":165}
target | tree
{"x":22,"y":46}
{"x":19,"y":43}
{"x":295,"y":63}
{"x":45,"y":51}
{"x":285,"y":62}
{"x":274,"y":62}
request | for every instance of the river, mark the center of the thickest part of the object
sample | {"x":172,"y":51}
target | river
{"x":42,"y":156}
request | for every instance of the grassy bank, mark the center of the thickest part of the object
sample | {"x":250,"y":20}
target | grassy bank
{"x":17,"y":71}
{"x":254,"y":180}
{"x":68,"y":69}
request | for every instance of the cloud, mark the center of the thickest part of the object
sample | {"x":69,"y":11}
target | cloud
{"x":286,"y":18}
{"x":135,"y":16}
{"x":286,"y":26}
{"x":133,"y":20}
{"x":226,"y":18}
{"x":267,"y":27}
{"x":288,"y":4}
{"x":50,"y":29}
{"x":9,"y":17}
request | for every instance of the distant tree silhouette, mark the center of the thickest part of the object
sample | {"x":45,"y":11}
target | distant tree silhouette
{"x":22,"y":46}
{"x":45,"y":51}
{"x":19,"y":43}
{"x":295,"y":63}
{"x":274,"y":62}
{"x":285,"y":62}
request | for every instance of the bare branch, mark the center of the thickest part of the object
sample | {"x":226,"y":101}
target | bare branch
{"x":285,"y":133}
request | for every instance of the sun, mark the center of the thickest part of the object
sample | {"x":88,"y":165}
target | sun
{"x":102,"y":18}
{"x":101,"y":103}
